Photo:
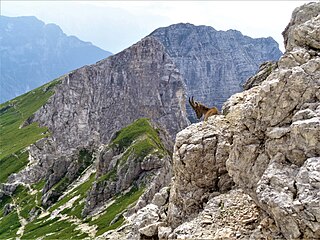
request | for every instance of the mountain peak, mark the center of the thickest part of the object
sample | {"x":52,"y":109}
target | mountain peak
{"x":36,"y":52}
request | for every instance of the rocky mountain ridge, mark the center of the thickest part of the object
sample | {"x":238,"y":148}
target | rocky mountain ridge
{"x":96,"y":176}
{"x":265,"y":143}
{"x":78,"y":114}
{"x":84,"y":164}
{"x":214,"y":64}
{"x":34,"y":53}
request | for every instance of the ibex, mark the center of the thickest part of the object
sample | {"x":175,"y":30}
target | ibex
{"x":200,"y":109}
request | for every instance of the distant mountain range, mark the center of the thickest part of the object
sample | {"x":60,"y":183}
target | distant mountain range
{"x":33,"y":53}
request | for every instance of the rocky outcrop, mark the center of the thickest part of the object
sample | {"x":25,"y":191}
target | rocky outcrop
{"x":133,"y":158}
{"x":88,"y":108}
{"x":214,"y":63}
{"x":300,"y":31}
{"x":199,"y":168}
{"x":270,"y":139}
{"x":232,"y":215}
{"x":36,"y":53}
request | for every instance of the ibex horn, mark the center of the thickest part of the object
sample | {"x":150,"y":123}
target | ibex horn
{"x":191,"y":102}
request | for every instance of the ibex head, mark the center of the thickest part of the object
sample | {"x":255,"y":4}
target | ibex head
{"x":201,"y":109}
{"x":198,"y":108}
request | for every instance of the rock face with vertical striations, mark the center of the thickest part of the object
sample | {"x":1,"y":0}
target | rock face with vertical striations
{"x":270,"y":137}
{"x":94,"y":102}
{"x":214,"y":63}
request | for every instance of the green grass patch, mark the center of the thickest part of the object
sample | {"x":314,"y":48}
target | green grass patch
{"x":12,"y":163}
{"x":13,"y":139}
{"x":111,"y":175}
{"x":125,"y":137}
{"x":3,"y":201}
{"x":39,"y":185}
{"x":25,"y":200}
{"x":9,"y":225}
{"x":121,"y":203}
{"x":80,"y":190}
{"x":76,"y":210}
{"x":52,"y":229}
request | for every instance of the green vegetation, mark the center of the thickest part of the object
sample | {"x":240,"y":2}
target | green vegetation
{"x":3,"y":201}
{"x":13,"y":139}
{"x":19,"y":158}
{"x":9,"y":225}
{"x":52,"y":229}
{"x":80,"y":190}
{"x":138,"y":140}
{"x":125,"y":137}
{"x":111,"y":175}
{"x":121,"y":203}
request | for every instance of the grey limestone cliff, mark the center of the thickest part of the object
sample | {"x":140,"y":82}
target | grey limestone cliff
{"x":94,"y":102}
{"x":266,"y":143}
{"x":214,"y":63}
{"x":274,"y":151}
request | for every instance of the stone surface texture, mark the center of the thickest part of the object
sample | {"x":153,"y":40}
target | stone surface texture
{"x":94,"y":102}
{"x":272,"y":140}
{"x":214,"y":64}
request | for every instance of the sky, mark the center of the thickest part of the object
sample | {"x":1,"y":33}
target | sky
{"x":116,"y":25}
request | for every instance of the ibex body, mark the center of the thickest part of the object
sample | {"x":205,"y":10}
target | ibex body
{"x":201,"y":109}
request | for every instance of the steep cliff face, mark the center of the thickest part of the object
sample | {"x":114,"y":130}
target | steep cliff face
{"x":214,"y":63}
{"x":87,"y":170}
{"x":34,"y":53}
{"x":89,"y":106}
{"x":273,"y":153}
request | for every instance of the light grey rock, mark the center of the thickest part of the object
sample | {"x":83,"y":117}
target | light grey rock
{"x":145,"y":216}
{"x":199,"y":168}
{"x":150,"y":230}
{"x":269,"y":141}
{"x":232,"y":215}
{"x":164,"y":232}
{"x":300,"y":31}
{"x":161,"y":198}
{"x":265,"y":70}
{"x":214,"y":63}
{"x":88,"y":108}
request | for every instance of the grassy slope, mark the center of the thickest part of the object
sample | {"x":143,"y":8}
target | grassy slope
{"x":13,"y":139}
{"x":138,"y":138}
{"x":13,"y":156}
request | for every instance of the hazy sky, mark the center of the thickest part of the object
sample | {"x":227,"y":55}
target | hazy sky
{"x":115,"y":25}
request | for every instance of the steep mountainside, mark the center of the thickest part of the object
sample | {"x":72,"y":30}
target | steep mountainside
{"x":85,"y":171}
{"x":214,"y":63}
{"x":32,"y":53}
{"x":266,"y":144}
{"x":74,"y":166}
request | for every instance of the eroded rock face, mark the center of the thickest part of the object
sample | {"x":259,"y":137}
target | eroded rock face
{"x":199,"y":168}
{"x":300,"y":31}
{"x":277,"y":147}
{"x":95,"y":101}
{"x":214,"y":63}
{"x":271,"y":140}
{"x":232,"y":215}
